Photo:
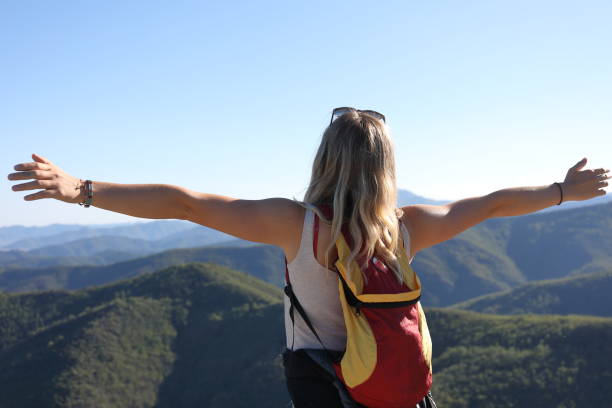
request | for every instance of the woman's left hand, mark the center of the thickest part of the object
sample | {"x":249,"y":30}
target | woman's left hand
{"x":580,"y":185}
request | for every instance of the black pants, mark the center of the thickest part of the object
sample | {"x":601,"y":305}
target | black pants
{"x":312,"y":386}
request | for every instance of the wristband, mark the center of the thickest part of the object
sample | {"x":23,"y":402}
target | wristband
{"x":561,"y":190}
{"x":88,"y":194}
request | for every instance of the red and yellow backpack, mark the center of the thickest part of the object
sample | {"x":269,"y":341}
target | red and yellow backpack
{"x":387,"y":360}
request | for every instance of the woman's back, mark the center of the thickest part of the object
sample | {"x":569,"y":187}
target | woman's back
{"x":317,"y":288}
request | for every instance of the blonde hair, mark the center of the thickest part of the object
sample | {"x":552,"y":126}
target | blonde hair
{"x":354,"y":172}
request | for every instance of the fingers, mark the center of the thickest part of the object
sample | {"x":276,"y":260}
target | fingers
{"x":598,"y":176}
{"x":40,"y":194}
{"x":32,"y":185}
{"x":580,"y":164}
{"x":601,"y":176}
{"x":40,"y":159}
{"x":590,"y":175}
{"x":32,"y":166}
{"x":37,"y":174}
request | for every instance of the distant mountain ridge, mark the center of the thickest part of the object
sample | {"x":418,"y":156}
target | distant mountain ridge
{"x":261,"y":261}
{"x":150,"y":237}
{"x":588,"y":294}
{"x":25,"y":259}
{"x":177,"y":233}
{"x":108,"y":249}
{"x":27,"y":238}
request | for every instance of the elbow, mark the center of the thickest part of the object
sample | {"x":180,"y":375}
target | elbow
{"x":494,"y":204}
{"x":183,"y":205}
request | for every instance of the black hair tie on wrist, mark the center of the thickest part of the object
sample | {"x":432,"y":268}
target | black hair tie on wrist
{"x":561,"y":190}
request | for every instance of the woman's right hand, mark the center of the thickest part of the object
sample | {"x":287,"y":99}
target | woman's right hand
{"x":54,"y":182}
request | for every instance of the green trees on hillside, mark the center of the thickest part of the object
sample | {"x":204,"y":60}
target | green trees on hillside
{"x":200,"y":334}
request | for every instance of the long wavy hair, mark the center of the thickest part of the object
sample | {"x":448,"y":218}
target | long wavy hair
{"x":354,"y":172}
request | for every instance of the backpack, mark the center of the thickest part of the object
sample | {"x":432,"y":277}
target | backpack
{"x":387,"y":359}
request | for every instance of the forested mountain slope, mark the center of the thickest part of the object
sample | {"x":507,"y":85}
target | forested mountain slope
{"x":204,"y":335}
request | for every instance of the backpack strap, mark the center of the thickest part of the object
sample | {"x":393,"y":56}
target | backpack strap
{"x":315,"y":233}
{"x":296,"y":305}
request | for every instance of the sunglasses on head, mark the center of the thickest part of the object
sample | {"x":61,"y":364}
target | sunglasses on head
{"x":341,"y":111}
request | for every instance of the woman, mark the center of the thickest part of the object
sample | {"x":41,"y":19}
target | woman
{"x":354,"y":173}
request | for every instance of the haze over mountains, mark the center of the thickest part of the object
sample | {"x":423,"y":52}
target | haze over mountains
{"x":158,"y":235}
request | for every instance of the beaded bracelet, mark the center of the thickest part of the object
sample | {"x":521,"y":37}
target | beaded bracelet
{"x":88,"y":194}
{"x":561,"y":190}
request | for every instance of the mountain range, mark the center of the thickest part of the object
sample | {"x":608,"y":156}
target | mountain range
{"x":200,"y":334}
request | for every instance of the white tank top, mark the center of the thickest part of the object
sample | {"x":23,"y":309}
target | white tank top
{"x":316,"y":288}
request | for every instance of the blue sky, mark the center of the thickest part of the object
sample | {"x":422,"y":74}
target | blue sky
{"x":232,"y":97}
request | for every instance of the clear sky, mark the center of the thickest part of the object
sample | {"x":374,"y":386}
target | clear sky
{"x":232,"y":97}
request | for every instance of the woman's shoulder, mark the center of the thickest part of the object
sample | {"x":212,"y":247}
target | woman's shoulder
{"x":290,"y":212}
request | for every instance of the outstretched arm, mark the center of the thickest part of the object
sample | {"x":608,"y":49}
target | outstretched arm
{"x":432,"y":224}
{"x":270,"y":221}
{"x":579,"y":185}
{"x":155,"y":201}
